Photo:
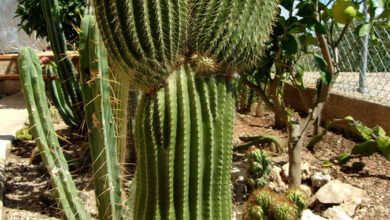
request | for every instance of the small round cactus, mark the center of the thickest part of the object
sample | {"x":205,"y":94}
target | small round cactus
{"x":297,"y":197}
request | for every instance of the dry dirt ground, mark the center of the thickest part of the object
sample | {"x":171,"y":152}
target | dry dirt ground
{"x":28,"y":195}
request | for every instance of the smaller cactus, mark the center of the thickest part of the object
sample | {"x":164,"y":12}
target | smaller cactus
{"x":265,"y":204}
{"x":283,"y":209}
{"x":259,"y":168}
{"x":23,"y":134}
{"x":297,"y":197}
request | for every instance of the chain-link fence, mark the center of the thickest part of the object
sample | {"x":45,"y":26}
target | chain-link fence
{"x":364,"y":67}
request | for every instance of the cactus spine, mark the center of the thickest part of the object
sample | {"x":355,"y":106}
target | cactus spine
{"x":100,"y":121}
{"x":46,"y":139}
{"x":66,"y":71}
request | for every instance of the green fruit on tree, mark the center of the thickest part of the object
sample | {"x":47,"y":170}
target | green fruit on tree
{"x":343,"y":11}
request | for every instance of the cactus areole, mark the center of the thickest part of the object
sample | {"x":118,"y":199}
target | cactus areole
{"x":181,"y":54}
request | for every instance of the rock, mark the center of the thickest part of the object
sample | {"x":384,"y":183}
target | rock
{"x":276,"y":182}
{"x":335,"y":214}
{"x":305,"y":170}
{"x":306,"y":189}
{"x":349,"y":207}
{"x":318,"y":179}
{"x":238,"y":173}
{"x":309,"y":215}
{"x":336,"y":192}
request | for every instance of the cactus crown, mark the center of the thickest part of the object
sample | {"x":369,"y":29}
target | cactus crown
{"x":148,"y":38}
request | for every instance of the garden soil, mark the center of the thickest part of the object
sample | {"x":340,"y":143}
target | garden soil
{"x":28,"y":193}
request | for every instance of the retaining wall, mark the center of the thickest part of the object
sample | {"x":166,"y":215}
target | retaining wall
{"x":340,"y":106}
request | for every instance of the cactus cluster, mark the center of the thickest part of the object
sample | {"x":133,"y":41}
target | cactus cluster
{"x":267,"y":205}
{"x":181,"y":54}
{"x":259,"y":168}
{"x":46,"y":138}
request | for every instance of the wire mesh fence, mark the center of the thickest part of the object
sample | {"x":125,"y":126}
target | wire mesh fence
{"x":370,"y":82}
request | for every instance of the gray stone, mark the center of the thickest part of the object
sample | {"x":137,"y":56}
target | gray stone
{"x":336,"y":192}
{"x":276,"y":182}
{"x":305,"y":170}
{"x":306,"y":189}
{"x":318,"y":179}
{"x":239,"y":173}
{"x":309,"y":215}
{"x":350,"y":206}
{"x":335,"y":214}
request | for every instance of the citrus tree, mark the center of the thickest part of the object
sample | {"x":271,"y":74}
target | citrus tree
{"x":302,"y":29}
{"x":30,"y":11}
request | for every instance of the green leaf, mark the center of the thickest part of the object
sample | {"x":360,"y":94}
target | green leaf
{"x":362,"y":130}
{"x":290,"y":45}
{"x":305,"y":9}
{"x":379,"y":131}
{"x":364,"y":29}
{"x":366,"y":148}
{"x":327,"y":164}
{"x":383,"y":143}
{"x":313,"y":24}
{"x":344,"y":158}
{"x":308,"y":40}
{"x":287,"y":4}
{"x":321,"y":63}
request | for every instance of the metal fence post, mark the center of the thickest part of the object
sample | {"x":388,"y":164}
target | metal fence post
{"x":363,"y":66}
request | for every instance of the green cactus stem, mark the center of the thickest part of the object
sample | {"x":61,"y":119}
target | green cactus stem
{"x":100,"y":122}
{"x":58,"y":98}
{"x":66,"y":71}
{"x":45,"y":136}
{"x":184,"y":147}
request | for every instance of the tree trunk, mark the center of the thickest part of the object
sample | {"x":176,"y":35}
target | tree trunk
{"x":295,"y":159}
{"x":280,"y":114}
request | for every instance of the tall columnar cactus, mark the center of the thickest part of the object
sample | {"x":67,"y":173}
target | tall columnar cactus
{"x":46,"y":138}
{"x":100,"y":122}
{"x":181,"y":54}
{"x":66,"y":71}
{"x":259,"y":168}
